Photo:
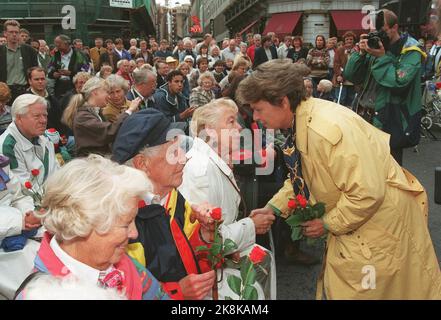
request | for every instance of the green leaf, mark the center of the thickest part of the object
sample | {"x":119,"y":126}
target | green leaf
{"x":202,"y":248}
{"x":296,"y":233}
{"x":250,"y":293}
{"x":229,"y":245}
{"x":228,"y":298}
{"x":235,"y":283}
{"x":319,"y":209}
{"x":216,"y":249}
{"x":294,"y":220}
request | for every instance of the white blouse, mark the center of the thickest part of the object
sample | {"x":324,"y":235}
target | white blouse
{"x":205,"y":180}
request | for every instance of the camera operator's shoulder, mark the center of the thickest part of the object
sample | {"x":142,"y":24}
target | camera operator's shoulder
{"x":325,"y":120}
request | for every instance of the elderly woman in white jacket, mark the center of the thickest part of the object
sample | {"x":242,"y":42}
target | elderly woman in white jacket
{"x":208,"y":177}
{"x":16,"y":215}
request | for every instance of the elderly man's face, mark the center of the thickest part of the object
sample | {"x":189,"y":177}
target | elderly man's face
{"x":165,"y":168}
{"x":147,"y":89}
{"x":103,"y":250}
{"x":61,"y":45}
{"x":33,"y":123}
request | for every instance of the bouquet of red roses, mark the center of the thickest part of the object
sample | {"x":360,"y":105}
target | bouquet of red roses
{"x":300,"y":212}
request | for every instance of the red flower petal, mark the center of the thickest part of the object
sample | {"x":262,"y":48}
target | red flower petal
{"x":257,"y":255}
{"x":292,"y":204}
{"x":35,"y":172}
{"x":28,"y":185}
{"x":216,"y":214}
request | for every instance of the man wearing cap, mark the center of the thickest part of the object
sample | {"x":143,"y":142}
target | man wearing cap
{"x":172,"y":63}
{"x":170,"y":100}
{"x":168,"y":231}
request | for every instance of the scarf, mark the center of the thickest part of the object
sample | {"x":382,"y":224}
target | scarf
{"x":294,"y":164}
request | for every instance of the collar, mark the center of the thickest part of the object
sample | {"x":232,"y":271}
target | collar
{"x":46,"y":94}
{"x":25,"y":143}
{"x":202,"y":147}
{"x":138,"y":94}
{"x":302,"y":119}
{"x":10,"y":49}
{"x":79,"y":269}
{"x":69,"y":54}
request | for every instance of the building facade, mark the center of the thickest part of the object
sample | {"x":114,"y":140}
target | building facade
{"x":286,"y":17}
{"x":86,"y":19}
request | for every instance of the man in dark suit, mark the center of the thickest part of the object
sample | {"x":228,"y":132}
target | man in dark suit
{"x":15,"y":60}
{"x":265,"y":53}
{"x":162,"y":69}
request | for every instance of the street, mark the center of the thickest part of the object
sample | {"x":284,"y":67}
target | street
{"x":299,"y":283}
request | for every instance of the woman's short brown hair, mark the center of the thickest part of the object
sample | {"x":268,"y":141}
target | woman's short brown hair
{"x":272,"y":81}
{"x":5,"y":92}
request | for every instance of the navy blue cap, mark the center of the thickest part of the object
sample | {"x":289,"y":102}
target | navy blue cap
{"x":146,"y":128}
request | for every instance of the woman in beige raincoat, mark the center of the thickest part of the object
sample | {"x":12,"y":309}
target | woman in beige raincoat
{"x":378,"y":245}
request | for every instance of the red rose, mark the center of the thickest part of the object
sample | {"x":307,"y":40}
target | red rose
{"x":257,"y":255}
{"x":216,"y":214}
{"x":35,"y":172}
{"x":51,"y":130}
{"x":28,"y":185}
{"x":302,"y":201}
{"x":292,"y":204}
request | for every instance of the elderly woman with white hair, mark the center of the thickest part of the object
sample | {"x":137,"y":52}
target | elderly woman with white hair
{"x":208,"y":177}
{"x":117,"y":102}
{"x":93,"y":134}
{"x":91,"y":205}
{"x":203,"y":94}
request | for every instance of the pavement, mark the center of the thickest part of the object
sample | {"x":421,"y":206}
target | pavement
{"x":296,"y":282}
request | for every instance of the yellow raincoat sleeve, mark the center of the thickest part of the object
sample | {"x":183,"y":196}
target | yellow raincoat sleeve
{"x":357,"y":171}
{"x":279,"y":203}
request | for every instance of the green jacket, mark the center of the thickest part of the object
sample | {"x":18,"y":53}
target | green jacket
{"x":398,"y":90}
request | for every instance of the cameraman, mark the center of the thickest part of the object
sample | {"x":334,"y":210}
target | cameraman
{"x":390,"y":69}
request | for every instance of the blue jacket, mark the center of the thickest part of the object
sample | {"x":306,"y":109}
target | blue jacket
{"x":170,"y":106}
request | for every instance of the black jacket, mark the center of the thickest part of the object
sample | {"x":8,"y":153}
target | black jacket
{"x":160,"y":248}
{"x":260,"y":56}
{"x":29,"y":55}
{"x":104,"y":58}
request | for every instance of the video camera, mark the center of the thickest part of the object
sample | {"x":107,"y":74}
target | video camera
{"x":375,"y":37}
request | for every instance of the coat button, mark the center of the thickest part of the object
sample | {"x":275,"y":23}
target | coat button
{"x":309,"y":119}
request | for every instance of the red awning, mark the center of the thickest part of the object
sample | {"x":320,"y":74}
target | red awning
{"x":283,"y":23}
{"x":349,"y":20}
{"x":248,"y":27}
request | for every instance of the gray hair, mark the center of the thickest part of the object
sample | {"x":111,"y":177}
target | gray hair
{"x":209,"y":114}
{"x":81,"y":75}
{"x":22,"y":104}
{"x":64,"y":38}
{"x":90,"y":194}
{"x":120,"y":62}
{"x":257,"y":36}
{"x":142,"y":75}
{"x":206,"y":75}
{"x":116,"y":81}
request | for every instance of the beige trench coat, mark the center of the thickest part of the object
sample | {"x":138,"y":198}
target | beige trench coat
{"x":379,"y":246}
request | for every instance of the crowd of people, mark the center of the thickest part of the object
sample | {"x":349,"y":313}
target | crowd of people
{"x":113,"y":159}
